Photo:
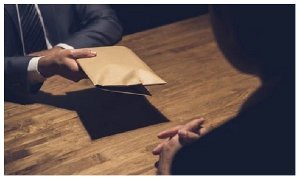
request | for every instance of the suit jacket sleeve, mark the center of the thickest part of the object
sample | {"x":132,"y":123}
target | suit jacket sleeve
{"x":99,"y":26}
{"x":15,"y":77}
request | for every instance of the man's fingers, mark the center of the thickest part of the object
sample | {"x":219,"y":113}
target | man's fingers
{"x":169,"y":132}
{"x":194,"y":125}
{"x":187,"y":136}
{"x":157,"y":149}
{"x":82,"y":53}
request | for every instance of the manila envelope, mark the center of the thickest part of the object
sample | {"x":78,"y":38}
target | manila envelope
{"x":118,"y":67}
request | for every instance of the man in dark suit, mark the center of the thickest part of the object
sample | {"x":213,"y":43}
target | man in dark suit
{"x":260,"y":140}
{"x":43,"y":40}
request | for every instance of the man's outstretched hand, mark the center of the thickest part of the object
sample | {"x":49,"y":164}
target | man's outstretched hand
{"x":63,"y":62}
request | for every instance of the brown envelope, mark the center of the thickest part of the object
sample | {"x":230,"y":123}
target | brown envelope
{"x":118,"y":66}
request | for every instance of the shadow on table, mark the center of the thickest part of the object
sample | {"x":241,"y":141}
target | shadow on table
{"x":105,"y":113}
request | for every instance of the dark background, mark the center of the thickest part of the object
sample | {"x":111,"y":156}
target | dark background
{"x":135,"y":18}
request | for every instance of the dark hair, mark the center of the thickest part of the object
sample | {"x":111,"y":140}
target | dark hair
{"x":261,"y":35}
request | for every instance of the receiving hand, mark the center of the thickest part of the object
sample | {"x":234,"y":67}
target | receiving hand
{"x":63,"y":62}
{"x":178,"y":137}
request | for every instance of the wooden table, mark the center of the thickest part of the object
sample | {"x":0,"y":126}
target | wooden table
{"x":73,"y":128}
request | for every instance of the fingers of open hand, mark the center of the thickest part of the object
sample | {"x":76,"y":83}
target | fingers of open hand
{"x":63,"y":62}
{"x":169,"y":132}
{"x":81,"y":53}
{"x":72,"y":70}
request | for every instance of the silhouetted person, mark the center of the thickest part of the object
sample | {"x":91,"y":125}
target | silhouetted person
{"x":260,"y":140}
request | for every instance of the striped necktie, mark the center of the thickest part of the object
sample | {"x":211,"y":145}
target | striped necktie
{"x":31,"y":26}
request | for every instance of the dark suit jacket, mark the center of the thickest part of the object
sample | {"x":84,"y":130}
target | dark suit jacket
{"x":259,"y":141}
{"x":76,"y":25}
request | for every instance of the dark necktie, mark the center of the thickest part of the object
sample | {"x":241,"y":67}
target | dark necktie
{"x":33,"y":34}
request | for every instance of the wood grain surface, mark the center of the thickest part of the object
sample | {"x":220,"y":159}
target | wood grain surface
{"x":74,"y":128}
